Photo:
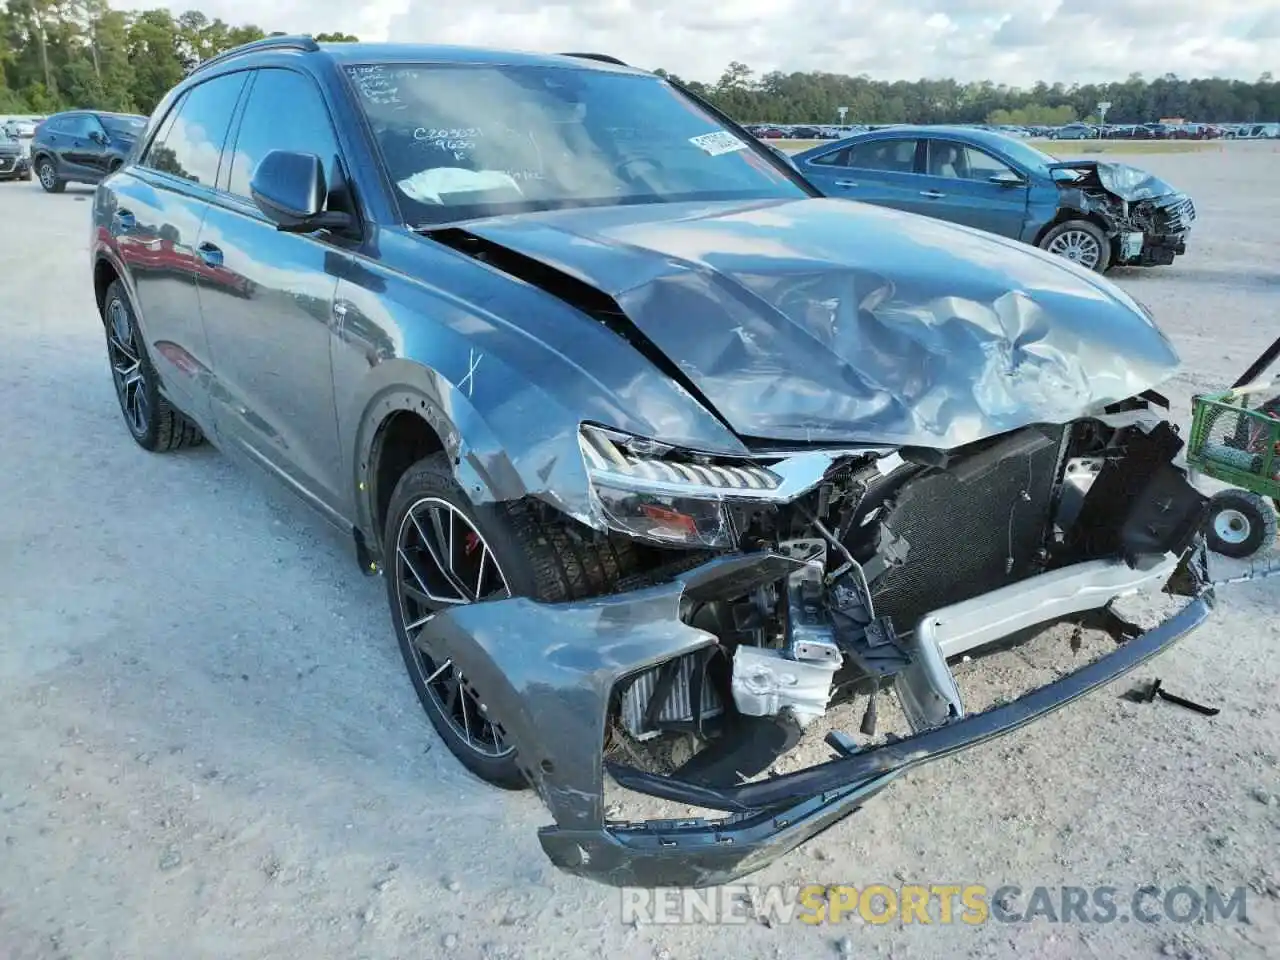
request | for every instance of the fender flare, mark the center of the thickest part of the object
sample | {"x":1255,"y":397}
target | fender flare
{"x":480,"y":462}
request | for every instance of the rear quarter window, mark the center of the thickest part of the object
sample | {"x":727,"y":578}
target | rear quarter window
{"x":189,"y":142}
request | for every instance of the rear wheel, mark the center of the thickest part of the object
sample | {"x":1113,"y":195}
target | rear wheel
{"x":1240,"y":524}
{"x":1081,"y":242}
{"x":48,"y":174}
{"x":153,"y":422}
{"x":441,"y":551}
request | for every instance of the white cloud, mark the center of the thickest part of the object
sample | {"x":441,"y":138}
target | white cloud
{"x":1002,"y":40}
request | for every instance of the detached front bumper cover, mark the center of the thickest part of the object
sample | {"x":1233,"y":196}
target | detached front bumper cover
{"x":549,"y":670}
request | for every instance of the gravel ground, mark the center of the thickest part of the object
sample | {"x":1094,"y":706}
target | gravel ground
{"x":209,"y":748}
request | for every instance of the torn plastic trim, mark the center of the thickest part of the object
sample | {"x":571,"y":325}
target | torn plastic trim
{"x":931,"y":745}
{"x":549,"y":671}
{"x":773,"y":817}
{"x":927,"y":690}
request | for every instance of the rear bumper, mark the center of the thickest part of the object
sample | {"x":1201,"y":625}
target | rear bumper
{"x":549,"y":672}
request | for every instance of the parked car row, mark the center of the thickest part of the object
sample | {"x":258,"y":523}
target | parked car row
{"x":1068,"y":131}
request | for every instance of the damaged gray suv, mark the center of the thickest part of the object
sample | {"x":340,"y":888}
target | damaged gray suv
{"x":669,"y":463}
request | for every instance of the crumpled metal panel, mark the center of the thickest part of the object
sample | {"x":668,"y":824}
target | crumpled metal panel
{"x":835,"y":322}
{"x":1121,"y":179}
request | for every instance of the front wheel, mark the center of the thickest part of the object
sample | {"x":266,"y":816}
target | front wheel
{"x":441,"y":551}
{"x":1240,"y":524}
{"x":48,"y":175}
{"x":1081,"y":242}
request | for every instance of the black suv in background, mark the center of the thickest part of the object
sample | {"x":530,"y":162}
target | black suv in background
{"x":14,"y":164}
{"x":82,"y":146}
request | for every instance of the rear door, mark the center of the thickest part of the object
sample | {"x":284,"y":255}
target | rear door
{"x":879,"y":170}
{"x":267,"y":299}
{"x":959,"y":185}
{"x":156,"y":213}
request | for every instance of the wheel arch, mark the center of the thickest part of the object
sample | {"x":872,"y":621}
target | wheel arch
{"x":420,"y":414}
{"x":1067,"y":214}
{"x":105,"y":273}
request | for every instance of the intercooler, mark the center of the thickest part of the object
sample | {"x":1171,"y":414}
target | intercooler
{"x":970,"y":531}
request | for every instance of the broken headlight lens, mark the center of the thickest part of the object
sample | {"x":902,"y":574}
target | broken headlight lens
{"x":654,"y":492}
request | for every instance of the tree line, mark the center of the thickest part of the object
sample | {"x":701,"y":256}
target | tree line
{"x":58,"y":54}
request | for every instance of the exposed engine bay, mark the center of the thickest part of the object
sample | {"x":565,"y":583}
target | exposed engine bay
{"x":1149,"y":218}
{"x":884,"y":567}
{"x":890,"y":551}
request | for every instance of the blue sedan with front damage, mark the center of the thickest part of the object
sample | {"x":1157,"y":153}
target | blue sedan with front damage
{"x":1098,"y":213}
{"x":668,"y":461}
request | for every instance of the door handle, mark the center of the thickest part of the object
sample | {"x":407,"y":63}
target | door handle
{"x":210,"y":254}
{"x":845,"y":183}
{"x":124,"y":220}
{"x":932,"y":194}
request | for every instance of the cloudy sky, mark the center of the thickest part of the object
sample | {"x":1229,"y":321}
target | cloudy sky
{"x":1003,"y":40}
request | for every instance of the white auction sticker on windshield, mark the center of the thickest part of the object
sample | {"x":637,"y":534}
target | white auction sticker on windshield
{"x":717,"y":143}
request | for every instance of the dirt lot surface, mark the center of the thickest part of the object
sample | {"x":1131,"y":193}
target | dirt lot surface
{"x":209,"y":747}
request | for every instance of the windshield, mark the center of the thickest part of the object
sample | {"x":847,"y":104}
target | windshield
{"x":466,"y":141}
{"x":123,"y":126}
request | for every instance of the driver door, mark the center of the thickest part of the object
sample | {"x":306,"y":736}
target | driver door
{"x":75,"y":147}
{"x":267,"y":300}
{"x":94,"y":153}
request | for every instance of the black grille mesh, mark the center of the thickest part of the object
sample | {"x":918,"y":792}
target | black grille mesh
{"x":1176,"y":216}
{"x":963,"y":534}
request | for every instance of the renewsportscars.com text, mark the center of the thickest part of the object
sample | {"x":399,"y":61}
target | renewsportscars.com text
{"x":942,"y":903}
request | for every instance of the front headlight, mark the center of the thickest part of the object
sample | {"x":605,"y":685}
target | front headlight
{"x":654,"y":491}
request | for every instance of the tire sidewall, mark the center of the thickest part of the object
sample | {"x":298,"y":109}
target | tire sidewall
{"x":148,"y":438}
{"x":432,"y":477}
{"x":41,"y":165}
{"x":1104,"y":245}
{"x":1261,"y":525}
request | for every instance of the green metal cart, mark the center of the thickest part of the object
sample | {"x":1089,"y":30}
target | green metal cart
{"x":1235,"y":438}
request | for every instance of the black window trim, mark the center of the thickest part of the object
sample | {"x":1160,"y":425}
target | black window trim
{"x":830,"y":153}
{"x":171,"y":111}
{"x":172,"y":179}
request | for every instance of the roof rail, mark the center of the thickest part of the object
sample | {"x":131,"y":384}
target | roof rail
{"x":298,"y":42}
{"x":602,"y":57}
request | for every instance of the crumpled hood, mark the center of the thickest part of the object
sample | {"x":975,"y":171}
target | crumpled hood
{"x":828,"y":321}
{"x":1125,"y":181}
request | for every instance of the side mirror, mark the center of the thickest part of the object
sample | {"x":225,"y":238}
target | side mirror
{"x":290,"y":189}
{"x":97,"y":136}
{"x":1007,"y":179}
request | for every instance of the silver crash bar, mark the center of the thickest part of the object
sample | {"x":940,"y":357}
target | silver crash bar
{"x":927,"y":689}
